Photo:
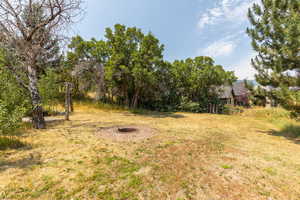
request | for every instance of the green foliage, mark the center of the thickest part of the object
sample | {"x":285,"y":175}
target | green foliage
{"x":85,"y":63}
{"x":134,"y":66}
{"x":258,"y":95}
{"x":275,"y":34}
{"x":10,"y":119}
{"x":227,"y":166}
{"x":129,"y":69}
{"x":190,"y":107}
{"x":196,"y":80}
{"x":51,"y":88}
{"x":290,"y":99}
{"x":14,"y":103}
{"x":232,"y":110}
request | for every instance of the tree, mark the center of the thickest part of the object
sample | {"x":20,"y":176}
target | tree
{"x":275,"y":34}
{"x":25,"y":29}
{"x":197,"y":80}
{"x":130,"y":66}
{"x":89,"y":59}
{"x":134,"y":63}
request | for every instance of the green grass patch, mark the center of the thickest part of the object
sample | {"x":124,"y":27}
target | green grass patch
{"x":271,"y":171}
{"x":122,"y":165}
{"x":227,"y":166}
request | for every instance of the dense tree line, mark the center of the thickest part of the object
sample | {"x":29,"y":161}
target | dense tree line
{"x":128,"y":68}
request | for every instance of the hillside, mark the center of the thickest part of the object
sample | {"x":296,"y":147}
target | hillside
{"x":188,"y":156}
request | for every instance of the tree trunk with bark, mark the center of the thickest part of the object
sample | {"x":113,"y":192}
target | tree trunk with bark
{"x":38,"y":119}
{"x":67,"y":102}
{"x":135,"y":99}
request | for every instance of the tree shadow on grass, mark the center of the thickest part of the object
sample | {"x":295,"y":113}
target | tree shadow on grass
{"x":32,"y":159}
{"x":54,"y":122}
{"x":291,"y":132}
{"x":155,"y":114}
{"x":9,"y":142}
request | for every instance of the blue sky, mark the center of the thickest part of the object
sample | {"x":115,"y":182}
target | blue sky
{"x":187,"y":28}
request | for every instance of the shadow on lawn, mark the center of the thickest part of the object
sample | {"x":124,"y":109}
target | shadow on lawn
{"x":32,"y":159}
{"x":291,"y":132}
{"x":11,"y":142}
{"x":155,"y":114}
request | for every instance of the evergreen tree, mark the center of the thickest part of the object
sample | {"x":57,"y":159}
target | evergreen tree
{"x":275,"y":34}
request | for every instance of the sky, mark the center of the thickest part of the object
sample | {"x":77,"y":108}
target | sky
{"x":187,"y":28}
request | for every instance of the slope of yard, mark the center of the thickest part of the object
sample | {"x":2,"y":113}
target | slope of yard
{"x":191,"y":156}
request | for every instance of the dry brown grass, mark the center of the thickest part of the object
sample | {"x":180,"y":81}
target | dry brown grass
{"x":192,"y":156}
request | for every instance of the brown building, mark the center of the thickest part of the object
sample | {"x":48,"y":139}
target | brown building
{"x":237,"y":94}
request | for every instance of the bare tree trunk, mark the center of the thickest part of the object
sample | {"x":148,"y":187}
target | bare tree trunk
{"x":71,"y":98}
{"x":135,"y":99}
{"x":71,"y":104}
{"x":37,"y":109}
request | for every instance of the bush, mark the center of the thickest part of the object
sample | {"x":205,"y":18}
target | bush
{"x":232,"y":110}
{"x":14,"y":103}
{"x":190,"y":107}
{"x":10,"y":119}
{"x":51,"y":89}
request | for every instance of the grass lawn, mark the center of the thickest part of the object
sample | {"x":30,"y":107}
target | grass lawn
{"x":255,"y":155}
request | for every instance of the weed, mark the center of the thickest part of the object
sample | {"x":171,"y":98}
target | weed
{"x":271,"y":171}
{"x":107,"y":194}
{"x":59,"y":193}
{"x":135,"y":182}
{"x":122,"y":165}
{"x":227,"y":166}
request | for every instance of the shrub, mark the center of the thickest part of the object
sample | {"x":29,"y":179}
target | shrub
{"x":10,"y":118}
{"x":190,"y":107}
{"x":232,"y":110}
{"x":51,"y":90}
{"x":14,"y":103}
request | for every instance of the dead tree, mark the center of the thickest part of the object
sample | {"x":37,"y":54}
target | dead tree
{"x":27,"y":28}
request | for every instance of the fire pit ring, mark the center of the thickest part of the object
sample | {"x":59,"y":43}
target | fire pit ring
{"x":126,"y":133}
{"x":127,"y":130}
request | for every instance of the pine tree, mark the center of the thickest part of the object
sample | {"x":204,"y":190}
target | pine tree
{"x":275,"y":34}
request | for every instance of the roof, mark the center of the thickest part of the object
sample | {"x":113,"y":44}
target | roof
{"x":240,"y":89}
{"x":225,"y":92}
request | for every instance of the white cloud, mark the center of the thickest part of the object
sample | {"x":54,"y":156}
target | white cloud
{"x":222,"y":47}
{"x":234,"y":11}
{"x":243,"y":68}
{"x":219,"y":48}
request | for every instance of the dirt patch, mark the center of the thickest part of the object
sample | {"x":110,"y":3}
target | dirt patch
{"x":127,"y":133}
